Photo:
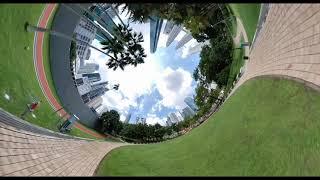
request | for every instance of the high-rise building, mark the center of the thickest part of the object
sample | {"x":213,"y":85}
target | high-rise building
{"x":173,"y":34}
{"x":174,"y":118}
{"x":88,"y":68}
{"x":86,"y":32}
{"x":95,"y":103}
{"x":102,"y":109}
{"x":190,"y":102}
{"x":186,"y":38}
{"x":93,"y":77}
{"x":155,"y":29}
{"x":168,"y":27}
{"x":99,"y":85}
{"x":197,"y":48}
{"x":102,"y":36}
{"x":168,"y":122}
{"x":97,"y":92}
{"x":106,"y":13}
{"x":127,"y":118}
{"x":84,"y":86}
{"x":141,"y":120}
{"x":187,"y":112}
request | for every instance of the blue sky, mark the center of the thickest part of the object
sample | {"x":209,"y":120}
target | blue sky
{"x":155,"y":88}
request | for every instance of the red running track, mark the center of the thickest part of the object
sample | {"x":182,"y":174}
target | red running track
{"x":40,"y":72}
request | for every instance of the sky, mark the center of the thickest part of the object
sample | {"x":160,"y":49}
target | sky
{"x":155,"y":88}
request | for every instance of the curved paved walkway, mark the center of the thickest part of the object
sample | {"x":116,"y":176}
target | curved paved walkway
{"x":28,"y":150}
{"x":288,"y":44}
{"x":40,"y":72}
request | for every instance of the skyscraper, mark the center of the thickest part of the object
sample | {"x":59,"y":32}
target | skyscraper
{"x":155,"y":29}
{"x":197,"y":48}
{"x":95,"y":103}
{"x":168,"y":27}
{"x":168,"y":122}
{"x":97,"y":92}
{"x":102,"y":109}
{"x":106,"y":20}
{"x":127,"y":118}
{"x":92,"y":77}
{"x":84,"y":31}
{"x":174,"y":118}
{"x":173,"y":34}
{"x":88,"y":68}
{"x":84,"y":86}
{"x":187,"y":112}
{"x":190,"y":102}
{"x":99,"y":85}
{"x":186,"y":38}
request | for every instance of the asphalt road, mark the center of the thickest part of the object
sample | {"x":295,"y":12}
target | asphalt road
{"x":65,"y":22}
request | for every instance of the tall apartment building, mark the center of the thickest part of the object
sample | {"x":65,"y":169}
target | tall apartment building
{"x":128,"y":117}
{"x":88,"y":68}
{"x":168,"y":122}
{"x":173,"y":34}
{"x":174,"y":118}
{"x":155,"y":29}
{"x":102,"y":109}
{"x":187,"y":112}
{"x":92,"y":77}
{"x":99,"y":85}
{"x":106,"y":14}
{"x":95,"y":103}
{"x":197,"y":48}
{"x":167,"y":29}
{"x":185,"y":39}
{"x":84,"y":31}
{"x":190,"y":102}
{"x":83,"y":85}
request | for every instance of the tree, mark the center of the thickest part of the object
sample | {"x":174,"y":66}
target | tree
{"x":126,"y":50}
{"x":111,"y":122}
{"x":201,"y":95}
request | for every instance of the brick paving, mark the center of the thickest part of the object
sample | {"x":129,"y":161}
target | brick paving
{"x":26,"y":150}
{"x":288,"y":44}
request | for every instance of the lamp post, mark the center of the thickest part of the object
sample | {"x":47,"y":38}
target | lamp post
{"x":31,"y":28}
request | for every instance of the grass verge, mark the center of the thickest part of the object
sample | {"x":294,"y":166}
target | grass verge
{"x":18,"y":79}
{"x":269,"y":126}
{"x":249,"y":14}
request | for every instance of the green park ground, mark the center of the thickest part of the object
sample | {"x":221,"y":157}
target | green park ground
{"x":269,"y":126}
{"x":18,"y":78}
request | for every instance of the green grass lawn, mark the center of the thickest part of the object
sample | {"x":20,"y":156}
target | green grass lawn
{"x":17,"y":74}
{"x":268,"y":127}
{"x":237,"y":63}
{"x":249,"y":14}
{"x":18,"y":77}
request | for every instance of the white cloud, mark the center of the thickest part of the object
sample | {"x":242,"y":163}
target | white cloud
{"x":156,"y":107}
{"x":174,"y":86}
{"x":122,"y":117}
{"x":153,"y":119}
{"x":134,"y":81}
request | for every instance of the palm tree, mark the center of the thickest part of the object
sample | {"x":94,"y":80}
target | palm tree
{"x":31,"y":28}
{"x":139,"y":12}
{"x":125,"y":52}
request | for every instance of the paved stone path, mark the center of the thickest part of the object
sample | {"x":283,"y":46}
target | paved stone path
{"x":287,"y":45}
{"x":28,"y":150}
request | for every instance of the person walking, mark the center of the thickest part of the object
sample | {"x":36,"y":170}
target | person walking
{"x":30,"y":108}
